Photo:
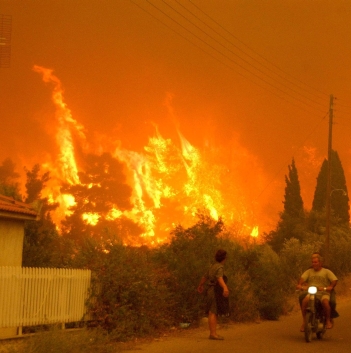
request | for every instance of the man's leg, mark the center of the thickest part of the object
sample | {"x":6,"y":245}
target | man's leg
{"x":332,"y":302}
{"x":304,"y":305}
{"x":327,"y":310}
{"x":212,"y":323}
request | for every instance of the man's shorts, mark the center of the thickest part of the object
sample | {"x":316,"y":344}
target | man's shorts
{"x":320,"y":295}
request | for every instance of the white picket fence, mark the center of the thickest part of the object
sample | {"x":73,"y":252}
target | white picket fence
{"x":36,"y":296}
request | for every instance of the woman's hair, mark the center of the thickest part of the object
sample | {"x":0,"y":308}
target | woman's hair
{"x":220,"y":255}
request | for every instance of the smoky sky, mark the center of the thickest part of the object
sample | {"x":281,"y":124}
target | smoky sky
{"x":257,"y":72}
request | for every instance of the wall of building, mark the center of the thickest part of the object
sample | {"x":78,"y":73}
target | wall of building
{"x":11,"y":242}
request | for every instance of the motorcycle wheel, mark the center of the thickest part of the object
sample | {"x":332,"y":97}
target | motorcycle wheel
{"x":321,"y":332}
{"x":320,"y":335}
{"x":308,"y":327}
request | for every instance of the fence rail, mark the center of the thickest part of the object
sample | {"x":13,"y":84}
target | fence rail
{"x":36,"y":296}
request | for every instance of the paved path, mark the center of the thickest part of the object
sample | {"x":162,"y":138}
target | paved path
{"x":281,"y":336}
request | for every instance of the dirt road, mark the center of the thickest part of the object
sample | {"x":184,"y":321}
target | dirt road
{"x":281,"y":336}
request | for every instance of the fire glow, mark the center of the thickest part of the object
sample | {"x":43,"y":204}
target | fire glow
{"x":170,"y":184}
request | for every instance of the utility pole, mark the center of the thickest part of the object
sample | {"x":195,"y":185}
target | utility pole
{"x":327,"y":228}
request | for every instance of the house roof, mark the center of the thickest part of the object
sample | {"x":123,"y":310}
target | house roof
{"x":10,"y":208}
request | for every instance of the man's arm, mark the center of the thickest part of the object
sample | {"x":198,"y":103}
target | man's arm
{"x":332,"y":285}
{"x":301,"y":285}
{"x":200,"y":287}
{"x":224,"y":286}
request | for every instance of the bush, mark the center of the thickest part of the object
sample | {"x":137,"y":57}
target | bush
{"x":244,"y":304}
{"x":131,"y":297}
{"x":267,"y":278}
{"x":296,"y":258}
{"x":186,"y":259}
{"x":340,"y":250}
{"x":140,"y":291}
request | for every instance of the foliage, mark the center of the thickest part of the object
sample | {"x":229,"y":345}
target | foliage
{"x":129,"y":297}
{"x":41,"y":239}
{"x":293,"y":204}
{"x":138,"y":291}
{"x":316,"y":222}
{"x":267,"y":280}
{"x":292,"y":219}
{"x":186,"y":258}
{"x":320,"y":193}
{"x":244,"y":303}
{"x":102,"y":188}
{"x":339,"y":199}
{"x":9,"y":185}
{"x":295,"y":259}
{"x":340,"y":250}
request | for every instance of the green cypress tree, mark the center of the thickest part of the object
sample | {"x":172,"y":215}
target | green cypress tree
{"x":320,"y":193}
{"x":293,"y":204}
{"x":292,"y":219}
{"x":339,"y":200}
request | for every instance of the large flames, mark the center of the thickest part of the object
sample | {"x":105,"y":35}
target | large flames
{"x":170,"y":184}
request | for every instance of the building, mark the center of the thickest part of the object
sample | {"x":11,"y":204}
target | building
{"x":13,"y":214}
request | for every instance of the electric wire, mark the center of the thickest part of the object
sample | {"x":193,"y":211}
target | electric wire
{"x":236,"y":63}
{"x":298,"y":147}
{"x":212,"y":47}
{"x":258,"y":54}
{"x":238,"y":56}
{"x":231,"y":68}
{"x":250,"y":56}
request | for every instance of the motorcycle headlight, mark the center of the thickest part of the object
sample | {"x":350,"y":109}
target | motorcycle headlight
{"x":312,"y":290}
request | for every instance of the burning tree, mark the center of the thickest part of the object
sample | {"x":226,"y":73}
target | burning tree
{"x":99,"y":201}
{"x":42,"y":243}
{"x":9,"y":185}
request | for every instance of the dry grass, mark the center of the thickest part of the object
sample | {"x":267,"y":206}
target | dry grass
{"x":59,"y":341}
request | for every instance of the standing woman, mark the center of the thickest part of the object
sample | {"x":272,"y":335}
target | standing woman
{"x":216,"y":292}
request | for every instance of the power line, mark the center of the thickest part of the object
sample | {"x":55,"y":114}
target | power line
{"x":258,"y":54}
{"x":299,"y":146}
{"x":216,"y":50}
{"x":241,"y":66}
{"x":231,"y":68}
{"x":238,"y":56}
{"x":247,"y":54}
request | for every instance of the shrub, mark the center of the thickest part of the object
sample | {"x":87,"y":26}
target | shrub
{"x":267,"y":278}
{"x":244,"y":304}
{"x":295,"y":259}
{"x":340,"y":249}
{"x":186,"y":258}
{"x":131,"y":298}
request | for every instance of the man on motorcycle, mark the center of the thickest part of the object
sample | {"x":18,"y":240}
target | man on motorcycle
{"x":325,"y":281}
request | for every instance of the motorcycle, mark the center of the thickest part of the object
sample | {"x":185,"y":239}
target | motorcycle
{"x":315,"y":318}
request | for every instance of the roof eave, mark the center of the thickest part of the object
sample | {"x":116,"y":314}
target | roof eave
{"x":17,"y":216}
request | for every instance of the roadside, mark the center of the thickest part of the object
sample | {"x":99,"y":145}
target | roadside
{"x":195,"y":334}
{"x":189,"y":338}
{"x":264,"y":336}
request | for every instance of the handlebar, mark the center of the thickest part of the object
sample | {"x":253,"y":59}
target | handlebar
{"x":311,"y":290}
